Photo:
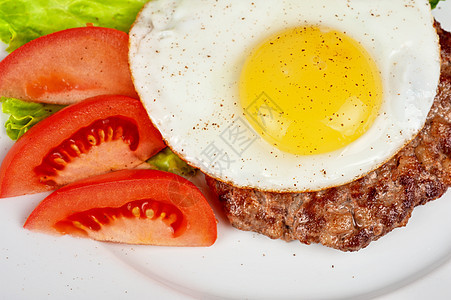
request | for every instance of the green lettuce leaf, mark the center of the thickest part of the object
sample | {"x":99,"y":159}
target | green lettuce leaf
{"x":168,"y":161}
{"x":434,"y":3}
{"x":23,"y":115}
{"x":24,"y":20}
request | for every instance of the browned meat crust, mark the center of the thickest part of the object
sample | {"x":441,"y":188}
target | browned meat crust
{"x":349,"y":217}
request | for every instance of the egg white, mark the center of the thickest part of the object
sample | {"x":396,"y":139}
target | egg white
{"x":186,"y":57}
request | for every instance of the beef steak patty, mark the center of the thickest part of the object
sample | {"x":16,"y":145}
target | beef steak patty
{"x":349,"y":217}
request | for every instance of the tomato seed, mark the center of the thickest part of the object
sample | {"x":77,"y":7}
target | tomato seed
{"x":136,"y":212}
{"x":150,"y":213}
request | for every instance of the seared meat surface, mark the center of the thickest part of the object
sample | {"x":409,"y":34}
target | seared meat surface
{"x":349,"y":217}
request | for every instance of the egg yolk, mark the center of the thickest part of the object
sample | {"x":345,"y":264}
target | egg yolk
{"x":310,"y":90}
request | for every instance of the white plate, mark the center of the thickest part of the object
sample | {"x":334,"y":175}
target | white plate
{"x":409,"y":263}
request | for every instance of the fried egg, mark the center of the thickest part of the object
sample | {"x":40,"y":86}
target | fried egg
{"x":286,"y":96}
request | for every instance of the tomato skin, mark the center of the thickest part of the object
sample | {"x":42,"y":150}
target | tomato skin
{"x":68,"y":66}
{"x":118,"y":188}
{"x":18,"y":175}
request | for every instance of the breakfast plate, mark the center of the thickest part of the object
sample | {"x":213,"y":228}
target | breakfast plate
{"x":410,"y":263}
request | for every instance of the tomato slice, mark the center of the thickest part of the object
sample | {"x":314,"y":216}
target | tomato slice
{"x":68,"y":66}
{"x":129,"y":206}
{"x":95,"y":136}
